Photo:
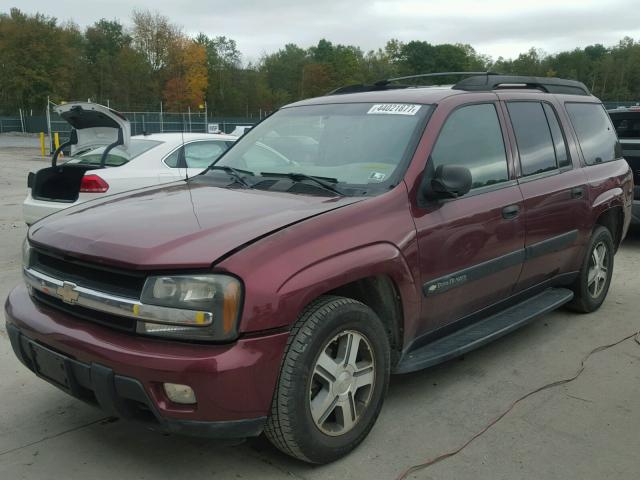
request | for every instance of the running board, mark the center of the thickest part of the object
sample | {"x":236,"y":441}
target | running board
{"x":484,"y":331}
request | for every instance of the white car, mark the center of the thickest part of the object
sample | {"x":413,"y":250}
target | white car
{"x":241,"y":130}
{"x":106,"y":159}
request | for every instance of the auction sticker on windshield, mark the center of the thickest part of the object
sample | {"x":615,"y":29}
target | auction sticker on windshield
{"x":394,"y":109}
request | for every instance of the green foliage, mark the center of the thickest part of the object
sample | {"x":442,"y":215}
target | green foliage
{"x":153,"y":61}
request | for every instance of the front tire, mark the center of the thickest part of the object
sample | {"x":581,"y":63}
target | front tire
{"x":333,"y":379}
{"x":591,"y":287}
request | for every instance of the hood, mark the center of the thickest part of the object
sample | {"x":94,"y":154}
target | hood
{"x":96,"y":125}
{"x":181,"y":225}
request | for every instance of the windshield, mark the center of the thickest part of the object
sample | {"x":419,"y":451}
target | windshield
{"x":117,"y":156}
{"x":362,"y":147}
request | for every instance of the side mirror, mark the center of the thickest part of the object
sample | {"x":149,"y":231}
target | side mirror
{"x":448,"y":181}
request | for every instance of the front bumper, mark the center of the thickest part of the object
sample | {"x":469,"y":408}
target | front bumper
{"x":635,"y":212}
{"x":123,"y":373}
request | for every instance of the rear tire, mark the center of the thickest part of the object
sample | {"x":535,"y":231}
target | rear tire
{"x":333,"y":379}
{"x":591,"y":287}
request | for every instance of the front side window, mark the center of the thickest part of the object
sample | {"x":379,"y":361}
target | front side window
{"x":472,"y":138}
{"x":596,"y":135}
{"x":533,"y":136}
{"x":359,"y":147}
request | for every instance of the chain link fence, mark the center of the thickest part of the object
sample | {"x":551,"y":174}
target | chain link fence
{"x":142,"y":122}
{"x":10,"y":124}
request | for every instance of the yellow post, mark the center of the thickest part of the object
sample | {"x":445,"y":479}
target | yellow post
{"x":42,"y":143}
{"x":56,"y":140}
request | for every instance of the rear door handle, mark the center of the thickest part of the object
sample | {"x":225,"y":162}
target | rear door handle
{"x":577,"y":192}
{"x":511,"y":211}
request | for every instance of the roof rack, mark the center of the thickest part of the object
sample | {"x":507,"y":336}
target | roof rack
{"x":487,"y":83}
{"x":357,"y":88}
{"x":438,"y":74}
{"x":478,"y":82}
{"x":386,"y":84}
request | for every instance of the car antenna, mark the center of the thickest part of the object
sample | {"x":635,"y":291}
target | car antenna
{"x":184,"y":156}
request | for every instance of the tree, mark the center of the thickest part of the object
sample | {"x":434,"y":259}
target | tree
{"x":153,"y":36}
{"x":283,"y":71}
{"x":103,"y":42}
{"x":39,"y":59}
{"x":134,"y":69}
{"x":187,"y":83}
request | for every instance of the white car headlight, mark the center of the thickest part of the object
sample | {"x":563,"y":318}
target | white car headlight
{"x":26,"y":253}
{"x":214,"y":299}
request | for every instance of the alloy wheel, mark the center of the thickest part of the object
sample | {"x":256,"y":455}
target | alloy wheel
{"x":598,"y":270}
{"x":342,"y":383}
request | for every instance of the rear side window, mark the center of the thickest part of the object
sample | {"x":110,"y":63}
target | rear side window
{"x":203,"y":154}
{"x":597,"y":138}
{"x":117,"y":156}
{"x":472,"y":138}
{"x":197,"y":154}
{"x":536,"y":145}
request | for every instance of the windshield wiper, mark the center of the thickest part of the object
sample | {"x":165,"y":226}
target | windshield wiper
{"x":297,"y":177}
{"x":235,"y":173}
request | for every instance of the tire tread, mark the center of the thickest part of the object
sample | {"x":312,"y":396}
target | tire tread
{"x":278,"y":428}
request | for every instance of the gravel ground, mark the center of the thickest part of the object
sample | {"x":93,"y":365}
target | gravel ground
{"x":586,"y":429}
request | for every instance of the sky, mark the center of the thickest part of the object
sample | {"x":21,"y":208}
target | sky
{"x":493,"y":27}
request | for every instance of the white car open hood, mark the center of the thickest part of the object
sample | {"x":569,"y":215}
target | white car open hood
{"x":96,"y":125}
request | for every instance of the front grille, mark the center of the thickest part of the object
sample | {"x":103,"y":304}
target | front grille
{"x":94,"y":316}
{"x":104,"y":279}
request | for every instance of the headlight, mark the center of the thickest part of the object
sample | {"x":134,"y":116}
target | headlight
{"x":211,"y":304}
{"x":26,"y":253}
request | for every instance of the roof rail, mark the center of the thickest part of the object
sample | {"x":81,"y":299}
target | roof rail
{"x":487,"y":83}
{"x":357,"y":88}
{"x":437,"y":74}
{"x":386,"y":84}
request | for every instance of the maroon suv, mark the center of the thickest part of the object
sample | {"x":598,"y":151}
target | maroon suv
{"x":380,"y":229}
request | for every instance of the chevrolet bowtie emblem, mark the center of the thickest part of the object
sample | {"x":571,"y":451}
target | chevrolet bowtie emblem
{"x":67,"y":292}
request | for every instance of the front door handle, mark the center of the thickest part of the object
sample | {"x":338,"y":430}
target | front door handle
{"x":511,"y":211}
{"x":577,"y":192}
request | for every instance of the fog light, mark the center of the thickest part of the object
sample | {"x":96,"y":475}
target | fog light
{"x":180,"y":393}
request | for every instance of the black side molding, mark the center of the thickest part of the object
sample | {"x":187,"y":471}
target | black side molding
{"x":551,"y":245}
{"x":476,"y":272}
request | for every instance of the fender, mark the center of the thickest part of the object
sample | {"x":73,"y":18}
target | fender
{"x":613,"y":197}
{"x":346,"y":267}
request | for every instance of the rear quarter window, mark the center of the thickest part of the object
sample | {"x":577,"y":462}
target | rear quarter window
{"x":596,"y":135}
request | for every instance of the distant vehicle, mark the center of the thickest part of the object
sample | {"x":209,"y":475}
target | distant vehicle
{"x":241,"y":130}
{"x":626,"y":120}
{"x":106,"y":159}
